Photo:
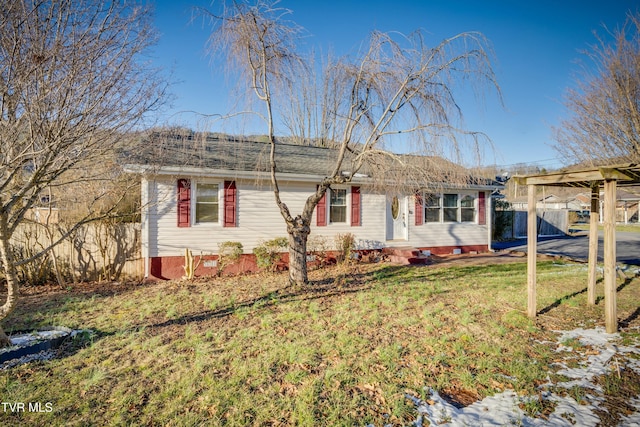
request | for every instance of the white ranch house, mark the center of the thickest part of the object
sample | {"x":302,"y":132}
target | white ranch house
{"x":220,"y":191}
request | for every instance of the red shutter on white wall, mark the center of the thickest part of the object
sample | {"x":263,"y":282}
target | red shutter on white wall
{"x":482,"y":208}
{"x":419,"y":212}
{"x":356,"y":204}
{"x":321,"y":211}
{"x":184,"y":202}
{"x":230,"y":203}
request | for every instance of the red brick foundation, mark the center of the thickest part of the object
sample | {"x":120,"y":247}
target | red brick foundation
{"x":448,"y":250}
{"x":172,"y":267}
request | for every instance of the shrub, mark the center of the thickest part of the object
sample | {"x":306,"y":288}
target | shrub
{"x":32,"y":239}
{"x":345,"y":244}
{"x":503,"y":220}
{"x":38,"y":272}
{"x":270,"y":252}
{"x":228,"y":253}
{"x":318,"y":246}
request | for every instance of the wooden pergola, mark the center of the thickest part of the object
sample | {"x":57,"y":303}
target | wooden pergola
{"x":610,"y":177}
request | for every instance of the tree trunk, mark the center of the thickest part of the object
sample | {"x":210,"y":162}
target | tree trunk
{"x":298,"y":234}
{"x":9,"y":269}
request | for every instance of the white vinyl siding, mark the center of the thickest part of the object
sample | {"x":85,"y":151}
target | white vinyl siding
{"x":449,"y":207}
{"x":259,"y":219}
{"x":434,"y":233}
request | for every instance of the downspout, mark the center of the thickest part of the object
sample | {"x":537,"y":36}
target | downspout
{"x":144,"y":226}
{"x":489,"y":215}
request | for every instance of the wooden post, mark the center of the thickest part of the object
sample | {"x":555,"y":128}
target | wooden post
{"x":611,"y":319}
{"x":593,"y":243}
{"x":626,"y":214}
{"x":532,"y":249}
{"x":601,"y":210}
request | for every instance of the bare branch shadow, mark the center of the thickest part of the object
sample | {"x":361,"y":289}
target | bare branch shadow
{"x":559,"y":301}
{"x":633,"y":316}
{"x":340,"y":285}
{"x":620,"y":287}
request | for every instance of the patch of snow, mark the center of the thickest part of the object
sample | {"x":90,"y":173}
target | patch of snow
{"x":38,"y":345}
{"x":595,"y":337}
{"x":26,"y":339}
{"x":500,"y":410}
{"x":42,"y":355}
{"x":503,"y":408}
{"x":633,"y":419}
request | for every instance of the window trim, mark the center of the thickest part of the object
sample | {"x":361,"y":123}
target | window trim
{"x":473,"y":208}
{"x":447,"y":208}
{"x":347,"y":205}
{"x":194,"y":201}
{"x":460,"y":195}
{"x":427,"y":208}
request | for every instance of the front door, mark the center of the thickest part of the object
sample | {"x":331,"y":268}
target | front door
{"x":397,"y":218}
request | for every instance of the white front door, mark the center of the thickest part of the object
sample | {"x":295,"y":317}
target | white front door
{"x":397,"y":218}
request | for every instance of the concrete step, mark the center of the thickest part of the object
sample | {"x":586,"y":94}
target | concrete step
{"x":406,"y":256}
{"x":418,"y":260}
{"x":407,"y":251}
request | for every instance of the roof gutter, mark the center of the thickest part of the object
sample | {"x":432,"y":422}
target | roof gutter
{"x":150,"y":170}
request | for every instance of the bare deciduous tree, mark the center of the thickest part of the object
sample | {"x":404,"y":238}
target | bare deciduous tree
{"x":73,"y":83}
{"x":604,"y":107}
{"x":397,"y":85}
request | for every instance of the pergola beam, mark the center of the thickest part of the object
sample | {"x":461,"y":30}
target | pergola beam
{"x":581,"y":178}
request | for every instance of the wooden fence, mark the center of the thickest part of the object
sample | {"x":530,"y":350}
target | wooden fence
{"x":96,"y":251}
{"x":513,"y":224}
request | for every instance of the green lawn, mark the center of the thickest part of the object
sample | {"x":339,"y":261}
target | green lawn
{"x":343,"y":351}
{"x":630,"y":228}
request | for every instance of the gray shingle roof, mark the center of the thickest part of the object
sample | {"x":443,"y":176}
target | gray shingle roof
{"x":224,"y":152}
{"x":215,"y":152}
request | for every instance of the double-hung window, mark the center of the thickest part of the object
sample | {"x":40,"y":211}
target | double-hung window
{"x":467,"y":209}
{"x":450,"y":208}
{"x":206,"y":203}
{"x":432,"y":208}
{"x":338,"y":205}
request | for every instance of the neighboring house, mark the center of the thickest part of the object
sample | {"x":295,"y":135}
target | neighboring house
{"x":43,"y":215}
{"x":205,"y":192}
{"x":44,"y":211}
{"x":551,"y":202}
{"x":627,"y":205}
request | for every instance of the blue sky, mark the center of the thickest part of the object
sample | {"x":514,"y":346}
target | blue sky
{"x":537,"y":47}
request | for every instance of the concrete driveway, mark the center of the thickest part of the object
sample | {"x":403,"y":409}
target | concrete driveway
{"x":577,"y":246}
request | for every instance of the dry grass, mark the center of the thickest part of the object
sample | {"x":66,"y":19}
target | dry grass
{"x":344,"y":350}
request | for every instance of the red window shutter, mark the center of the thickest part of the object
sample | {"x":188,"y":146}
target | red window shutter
{"x":355,"y":206}
{"x":321,"y":211}
{"x":419,"y":210}
{"x":230,"y":202}
{"x":184,"y":203}
{"x":482,"y":208}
